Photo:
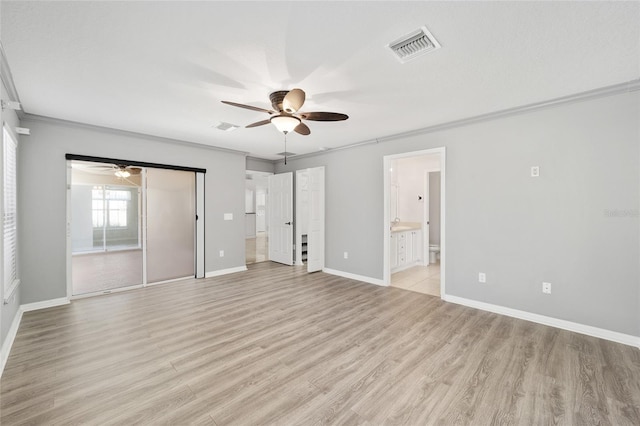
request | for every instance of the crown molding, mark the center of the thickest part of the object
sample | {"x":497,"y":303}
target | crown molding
{"x":45,"y":119}
{"x":7,"y":80}
{"x":616,"y":89}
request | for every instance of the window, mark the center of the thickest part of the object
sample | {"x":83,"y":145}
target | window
{"x":9,"y":212}
{"x":109,"y":206}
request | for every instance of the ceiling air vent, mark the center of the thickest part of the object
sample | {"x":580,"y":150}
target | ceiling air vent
{"x":413,"y":45}
{"x":227,"y":127}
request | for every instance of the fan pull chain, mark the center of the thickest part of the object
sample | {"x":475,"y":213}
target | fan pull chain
{"x":285,"y":148}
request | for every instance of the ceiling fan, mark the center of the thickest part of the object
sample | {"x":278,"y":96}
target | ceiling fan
{"x":123,"y":171}
{"x":286,"y":114}
{"x":119,"y":170}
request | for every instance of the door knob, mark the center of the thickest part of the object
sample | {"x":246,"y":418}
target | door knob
{"x":287,"y":223}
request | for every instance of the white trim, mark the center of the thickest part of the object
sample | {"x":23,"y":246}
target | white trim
{"x":200,"y":224}
{"x":69,"y":248}
{"x":190,"y":277}
{"x":575,"y":327}
{"x":8,"y":341}
{"x":104,"y":292}
{"x":58,"y":121}
{"x":45,"y":304}
{"x":616,"y":89}
{"x":143,"y":222}
{"x":225,"y":271}
{"x":409,"y":265}
{"x":12,"y":288}
{"x":349,"y":275}
{"x":386,"y":164}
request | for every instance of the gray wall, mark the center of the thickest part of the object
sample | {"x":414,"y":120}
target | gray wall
{"x":259,"y":165}
{"x":576,"y":225}
{"x":434,"y":207}
{"x":42,"y":196}
{"x":10,"y":310}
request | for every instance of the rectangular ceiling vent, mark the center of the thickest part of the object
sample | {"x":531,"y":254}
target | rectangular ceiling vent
{"x":413,"y":45}
{"x":227,"y":127}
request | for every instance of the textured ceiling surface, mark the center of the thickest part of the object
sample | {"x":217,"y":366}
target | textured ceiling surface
{"x":162,"y":68}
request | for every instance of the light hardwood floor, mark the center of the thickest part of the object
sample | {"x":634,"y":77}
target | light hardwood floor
{"x":94,"y":272}
{"x":257,"y":248}
{"x":275,"y":345}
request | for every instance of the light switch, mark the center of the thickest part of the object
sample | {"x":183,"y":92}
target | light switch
{"x":228,"y":216}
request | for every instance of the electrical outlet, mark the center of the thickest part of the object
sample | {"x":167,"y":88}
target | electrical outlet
{"x":546,"y":288}
{"x":221,"y":253}
{"x":482,"y":277}
{"x":535,"y":171}
{"x":346,"y":255}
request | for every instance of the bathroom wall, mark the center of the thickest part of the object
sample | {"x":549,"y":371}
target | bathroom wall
{"x":411,"y":175}
{"x":434,"y":208}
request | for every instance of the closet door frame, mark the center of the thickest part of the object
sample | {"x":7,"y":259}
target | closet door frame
{"x":199,"y":244}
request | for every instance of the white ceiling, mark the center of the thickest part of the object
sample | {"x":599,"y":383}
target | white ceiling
{"x":162,"y":68}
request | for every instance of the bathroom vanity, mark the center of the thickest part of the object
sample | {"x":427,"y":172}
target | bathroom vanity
{"x":406,"y":246}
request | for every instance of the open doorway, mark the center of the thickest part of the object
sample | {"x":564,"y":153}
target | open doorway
{"x":414,"y":218}
{"x":256,"y":219}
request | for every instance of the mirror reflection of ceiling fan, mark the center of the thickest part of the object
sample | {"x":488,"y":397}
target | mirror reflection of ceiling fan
{"x":120,"y":170}
{"x":286,"y":114}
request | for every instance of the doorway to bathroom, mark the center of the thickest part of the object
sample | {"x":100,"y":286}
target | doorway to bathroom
{"x":414,"y":246}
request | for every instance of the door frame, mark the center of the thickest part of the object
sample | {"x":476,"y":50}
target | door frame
{"x":386,"y":160}
{"x":199,"y":240}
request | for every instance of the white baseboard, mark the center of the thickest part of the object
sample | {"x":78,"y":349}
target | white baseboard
{"x":44,"y":304}
{"x":601,"y":333}
{"x":225,"y":271}
{"x":362,"y":278}
{"x":8,"y":341}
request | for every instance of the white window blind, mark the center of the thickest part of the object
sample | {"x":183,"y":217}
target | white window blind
{"x":10,"y":212}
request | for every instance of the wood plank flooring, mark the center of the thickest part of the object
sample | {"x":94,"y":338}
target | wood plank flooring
{"x":275,"y":345}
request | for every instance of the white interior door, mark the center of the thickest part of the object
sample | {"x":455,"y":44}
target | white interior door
{"x":281,"y":218}
{"x":315,"y":235}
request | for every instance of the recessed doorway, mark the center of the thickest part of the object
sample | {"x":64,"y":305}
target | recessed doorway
{"x":414,"y":244}
{"x":256,"y":216}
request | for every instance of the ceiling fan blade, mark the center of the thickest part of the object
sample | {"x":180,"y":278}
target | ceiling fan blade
{"x":247,"y":107}
{"x":303,"y":129}
{"x":258,"y":123}
{"x":293,"y":101}
{"x":323,"y":116}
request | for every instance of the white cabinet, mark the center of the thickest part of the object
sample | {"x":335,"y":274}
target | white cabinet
{"x":416,"y":246}
{"x":405,"y":249}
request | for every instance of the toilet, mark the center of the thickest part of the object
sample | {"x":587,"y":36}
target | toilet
{"x":434,"y":249}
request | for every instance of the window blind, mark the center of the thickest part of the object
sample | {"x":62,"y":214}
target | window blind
{"x":9,"y":212}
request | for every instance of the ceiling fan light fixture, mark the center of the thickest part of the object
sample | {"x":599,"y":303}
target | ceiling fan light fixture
{"x":122,"y":173}
{"x":285,"y":123}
